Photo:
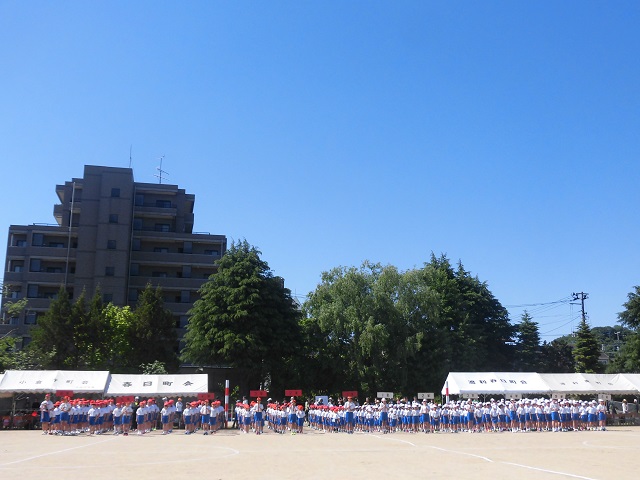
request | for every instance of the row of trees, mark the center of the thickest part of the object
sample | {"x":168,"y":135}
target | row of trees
{"x":368,"y":328}
{"x":91,"y":335}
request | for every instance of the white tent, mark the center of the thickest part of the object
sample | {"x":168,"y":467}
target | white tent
{"x":156,"y":385}
{"x":3,"y":394}
{"x":588,"y":383}
{"x":505,"y":383}
{"x":50,"y":381}
{"x":494,"y":383}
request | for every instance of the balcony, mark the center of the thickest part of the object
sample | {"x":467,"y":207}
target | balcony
{"x":173,"y":283}
{"x":158,"y":258}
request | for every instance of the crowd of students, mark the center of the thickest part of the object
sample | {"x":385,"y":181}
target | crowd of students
{"x":96,"y":417}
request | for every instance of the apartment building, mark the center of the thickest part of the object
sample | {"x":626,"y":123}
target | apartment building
{"x":113,"y":233}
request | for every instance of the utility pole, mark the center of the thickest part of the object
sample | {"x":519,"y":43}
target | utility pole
{"x":582,"y":297}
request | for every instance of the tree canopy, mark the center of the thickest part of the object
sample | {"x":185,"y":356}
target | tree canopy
{"x":244,"y":318}
{"x":374,"y":327}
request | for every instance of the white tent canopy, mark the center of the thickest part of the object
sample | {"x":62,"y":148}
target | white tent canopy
{"x":155,"y":385}
{"x":498,"y":383}
{"x":505,"y":383}
{"x":50,"y":381}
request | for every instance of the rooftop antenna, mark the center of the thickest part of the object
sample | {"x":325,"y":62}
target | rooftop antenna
{"x":160,"y":171}
{"x":130,"y":148}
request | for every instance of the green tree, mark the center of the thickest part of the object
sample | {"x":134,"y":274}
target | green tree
{"x":470,"y":329}
{"x":359,"y":338}
{"x":117,"y":350}
{"x":628,"y":357}
{"x":153,"y":335}
{"x":153,"y":368}
{"x":630,"y":316}
{"x":557,"y":357}
{"x":12,"y":308}
{"x":586,"y":351}
{"x":245,"y":318}
{"x":54,"y":331}
{"x":375,"y":328}
{"x":527,"y":345}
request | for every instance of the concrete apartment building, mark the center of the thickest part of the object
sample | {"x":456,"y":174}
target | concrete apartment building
{"x":115,"y":234}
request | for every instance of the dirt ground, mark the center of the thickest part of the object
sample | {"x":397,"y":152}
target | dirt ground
{"x":613,"y":454}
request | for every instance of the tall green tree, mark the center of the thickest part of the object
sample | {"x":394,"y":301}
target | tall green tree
{"x":245,"y":318}
{"x":586,"y":351}
{"x":54,"y":332}
{"x":152,"y":334}
{"x":630,"y":316}
{"x":378,"y":329}
{"x":528,"y":353}
{"x":360,"y":338}
{"x":117,"y":349}
{"x":628,"y":358}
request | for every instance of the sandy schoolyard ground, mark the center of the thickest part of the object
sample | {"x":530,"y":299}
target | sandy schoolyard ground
{"x":613,"y":454}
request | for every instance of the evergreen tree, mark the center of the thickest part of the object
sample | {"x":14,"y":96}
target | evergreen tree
{"x":54,"y":332}
{"x":586,"y":351}
{"x":245,"y":318}
{"x":628,"y":358}
{"x":527,"y":345}
{"x":153,"y":335}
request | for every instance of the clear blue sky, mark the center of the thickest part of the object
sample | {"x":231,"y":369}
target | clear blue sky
{"x":504,"y":134}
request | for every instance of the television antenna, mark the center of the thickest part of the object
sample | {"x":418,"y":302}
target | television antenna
{"x":160,"y":171}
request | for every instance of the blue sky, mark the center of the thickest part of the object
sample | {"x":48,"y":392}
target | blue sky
{"x":501,"y":133}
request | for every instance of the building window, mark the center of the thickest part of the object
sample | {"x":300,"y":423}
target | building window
{"x":14,"y":321}
{"x":137,"y":224}
{"x":107,"y":297}
{"x":115,"y":192}
{"x":185,"y":296}
{"x":187,"y":247}
{"x":113,"y":218}
{"x":133,"y":295}
{"x":159,"y":274}
{"x":37,"y":240}
{"x":184,"y":320}
{"x":135,"y":245}
{"x":35,"y":265}
{"x":56,"y":244}
{"x":139,"y":200}
{"x":134,"y":269}
{"x":111,"y":244}
{"x":160,"y":250}
{"x":109,"y":271}
{"x":15,"y":293}
{"x":215,"y":253}
{"x":31,"y":318}
{"x":186,"y":271}
{"x":32,"y":291}
{"x":162,"y":227}
{"x":163,"y":203}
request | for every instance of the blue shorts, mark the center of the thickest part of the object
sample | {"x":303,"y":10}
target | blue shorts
{"x":44,"y":417}
{"x":187,"y":420}
{"x":140,"y":419}
{"x":117,"y":420}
